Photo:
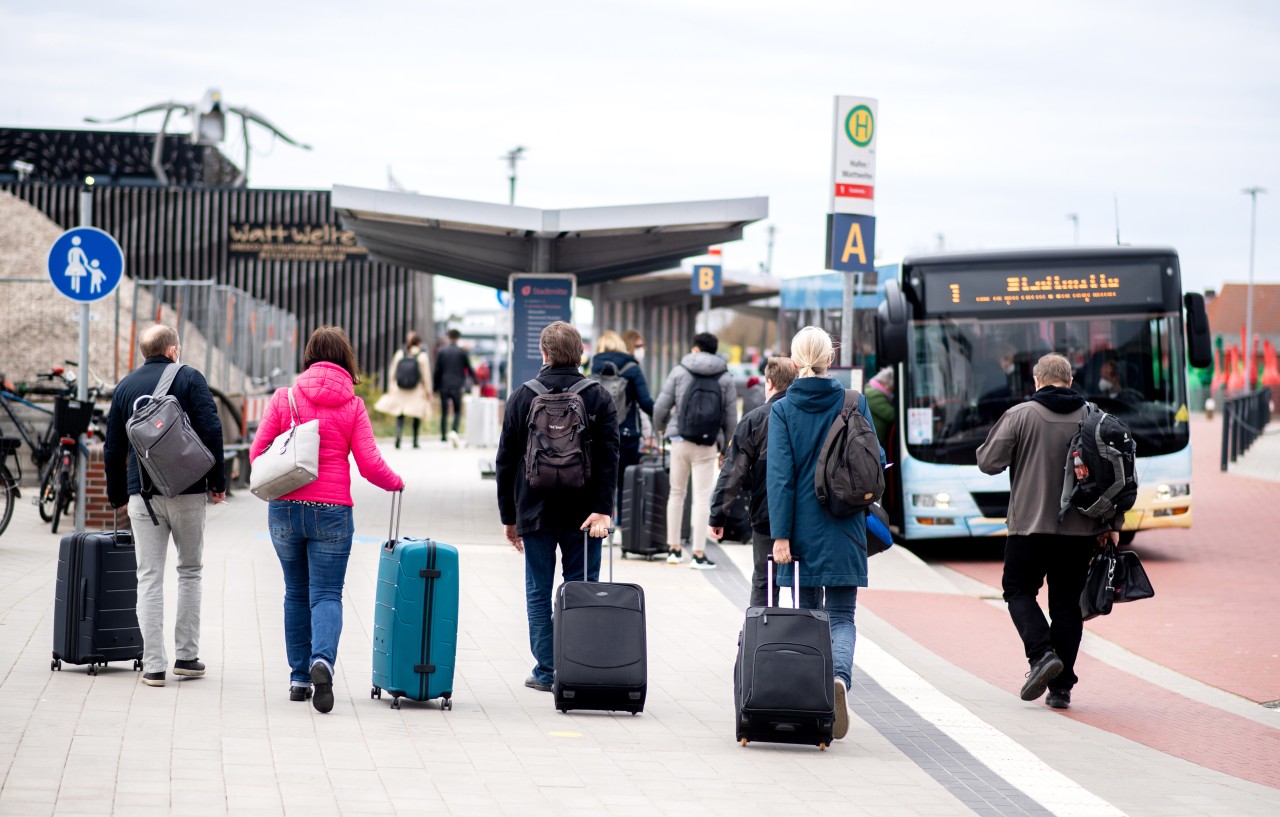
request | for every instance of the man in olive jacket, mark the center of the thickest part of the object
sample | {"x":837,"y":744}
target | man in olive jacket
{"x":1031,"y":440}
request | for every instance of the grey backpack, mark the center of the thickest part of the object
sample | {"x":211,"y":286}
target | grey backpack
{"x":167,"y":447}
{"x":610,"y":376}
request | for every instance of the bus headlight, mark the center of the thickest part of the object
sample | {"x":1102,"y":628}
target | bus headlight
{"x":1166,"y":491}
{"x":938,"y":500}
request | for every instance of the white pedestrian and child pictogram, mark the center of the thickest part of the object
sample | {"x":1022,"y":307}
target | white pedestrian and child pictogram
{"x":78,"y":267}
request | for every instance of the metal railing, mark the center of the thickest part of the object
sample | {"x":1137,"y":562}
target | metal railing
{"x":1244,"y":417}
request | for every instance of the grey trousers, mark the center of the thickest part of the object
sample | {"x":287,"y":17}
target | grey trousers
{"x":183,"y":518}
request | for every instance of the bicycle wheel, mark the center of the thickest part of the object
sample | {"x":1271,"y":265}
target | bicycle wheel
{"x":48,"y":492}
{"x":63,"y":498}
{"x":9,"y":486}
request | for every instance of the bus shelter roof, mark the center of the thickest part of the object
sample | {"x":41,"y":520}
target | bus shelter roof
{"x":484,"y":243}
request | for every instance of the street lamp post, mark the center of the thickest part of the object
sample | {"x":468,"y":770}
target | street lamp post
{"x":1074,"y":218}
{"x":512,"y":156}
{"x":1250,"y":367}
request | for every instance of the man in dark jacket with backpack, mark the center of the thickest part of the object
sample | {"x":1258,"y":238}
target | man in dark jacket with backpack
{"x":746,"y":469}
{"x":453,"y":370}
{"x":1032,"y":439}
{"x":557,"y":481}
{"x":699,"y":408}
{"x":154,"y":516}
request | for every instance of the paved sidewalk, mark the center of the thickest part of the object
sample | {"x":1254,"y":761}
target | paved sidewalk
{"x":928,"y":737}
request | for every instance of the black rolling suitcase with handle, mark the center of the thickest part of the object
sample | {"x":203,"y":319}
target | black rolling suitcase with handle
{"x":601,"y":655}
{"x":95,"y":618}
{"x":643,"y":515}
{"x":784,"y":678}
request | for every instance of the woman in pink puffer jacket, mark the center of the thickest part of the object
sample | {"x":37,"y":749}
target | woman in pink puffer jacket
{"x":312,"y":527}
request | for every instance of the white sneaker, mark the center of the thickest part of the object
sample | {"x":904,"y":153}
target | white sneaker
{"x":842,"y":711}
{"x":453,"y":439}
{"x":674,"y":557}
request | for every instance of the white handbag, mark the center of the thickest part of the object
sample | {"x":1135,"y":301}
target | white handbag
{"x":290,"y":462}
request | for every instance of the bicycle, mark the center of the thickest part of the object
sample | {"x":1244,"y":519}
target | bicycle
{"x":42,"y":445}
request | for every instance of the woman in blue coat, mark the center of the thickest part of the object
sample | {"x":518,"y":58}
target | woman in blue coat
{"x":832,"y":552}
{"x":612,"y":356}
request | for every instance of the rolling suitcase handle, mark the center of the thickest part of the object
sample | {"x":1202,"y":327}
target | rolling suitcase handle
{"x":768,"y":572}
{"x":397,"y":504}
{"x":586,"y":552}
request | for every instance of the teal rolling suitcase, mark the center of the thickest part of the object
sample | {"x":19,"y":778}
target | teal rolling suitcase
{"x":415,"y":625}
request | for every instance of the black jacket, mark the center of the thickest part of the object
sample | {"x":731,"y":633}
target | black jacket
{"x":745,"y":469}
{"x":453,"y":367}
{"x":193,"y":394}
{"x":531,"y":510}
{"x":638,"y":395}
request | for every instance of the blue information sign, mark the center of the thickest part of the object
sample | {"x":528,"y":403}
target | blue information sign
{"x":86,"y":264}
{"x":851,"y":243}
{"x":708,"y":279}
{"x":536,"y":301}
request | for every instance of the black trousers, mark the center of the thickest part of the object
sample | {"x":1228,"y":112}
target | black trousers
{"x":1064,"y":562}
{"x":761,"y":547}
{"x":417,"y":422}
{"x":447,"y":398}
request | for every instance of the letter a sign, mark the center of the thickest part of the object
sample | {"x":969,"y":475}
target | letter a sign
{"x":851,"y":243}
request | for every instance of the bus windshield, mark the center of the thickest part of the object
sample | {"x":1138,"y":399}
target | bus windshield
{"x":964,"y":373}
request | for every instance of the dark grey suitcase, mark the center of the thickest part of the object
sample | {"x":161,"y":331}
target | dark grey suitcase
{"x":784,"y":678}
{"x":643,"y":515}
{"x":95,"y":617}
{"x":601,"y":651}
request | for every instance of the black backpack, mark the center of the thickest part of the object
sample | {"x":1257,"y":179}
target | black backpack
{"x":1103,"y":445}
{"x":702,"y":413}
{"x":557,"y":452}
{"x":849,"y":476}
{"x":408,"y":376}
{"x":615,"y":384}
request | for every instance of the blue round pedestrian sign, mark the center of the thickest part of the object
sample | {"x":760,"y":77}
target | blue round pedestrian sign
{"x":86,"y":264}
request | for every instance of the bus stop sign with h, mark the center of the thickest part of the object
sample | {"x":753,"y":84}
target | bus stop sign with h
{"x":851,"y":222}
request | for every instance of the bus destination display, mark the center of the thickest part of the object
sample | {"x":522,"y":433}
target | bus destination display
{"x":953,"y":290}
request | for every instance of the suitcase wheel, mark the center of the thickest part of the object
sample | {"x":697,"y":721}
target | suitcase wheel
{"x":822,"y":747}
{"x":137,"y":665}
{"x":376,"y":692}
{"x":743,"y":741}
{"x":395,"y":702}
{"x":55,"y":664}
{"x":446,"y":704}
{"x":93,"y":669}
{"x":624,"y":554}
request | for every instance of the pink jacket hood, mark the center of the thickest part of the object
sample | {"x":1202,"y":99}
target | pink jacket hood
{"x":325,"y":392}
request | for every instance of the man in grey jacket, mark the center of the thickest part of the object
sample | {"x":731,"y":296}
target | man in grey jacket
{"x":1031,"y":440}
{"x":698,"y":407}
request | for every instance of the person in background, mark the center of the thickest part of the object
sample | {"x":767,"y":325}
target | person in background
{"x":883,"y":405}
{"x":702,"y":375}
{"x":636,"y":348}
{"x":833,"y":550}
{"x":746,"y":469}
{"x":755,"y":395}
{"x":312,"y":527}
{"x":453,"y":370}
{"x":612,"y":357}
{"x":408,"y":387}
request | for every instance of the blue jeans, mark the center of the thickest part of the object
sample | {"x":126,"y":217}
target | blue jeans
{"x":313,"y":545}
{"x":539,"y":575}
{"x":839,"y":602}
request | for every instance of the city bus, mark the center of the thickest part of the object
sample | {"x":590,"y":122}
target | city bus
{"x":963,"y":331}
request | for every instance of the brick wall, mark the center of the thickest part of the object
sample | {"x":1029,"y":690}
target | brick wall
{"x":98,"y":513}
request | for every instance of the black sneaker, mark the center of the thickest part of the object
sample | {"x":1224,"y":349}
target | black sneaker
{"x":300,"y":692}
{"x":701,"y":562}
{"x":533,"y":683}
{"x":1059,"y":698}
{"x":322,"y":680}
{"x":1045,"y":669}
{"x":191,"y":669}
{"x":153,"y":679}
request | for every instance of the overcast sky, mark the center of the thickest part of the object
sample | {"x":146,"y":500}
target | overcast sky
{"x":996,"y":119}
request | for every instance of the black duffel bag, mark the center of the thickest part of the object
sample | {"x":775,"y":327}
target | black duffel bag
{"x":1114,"y":576}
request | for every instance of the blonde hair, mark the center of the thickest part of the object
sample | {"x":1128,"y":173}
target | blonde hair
{"x":812,"y":352}
{"x":610,"y":342}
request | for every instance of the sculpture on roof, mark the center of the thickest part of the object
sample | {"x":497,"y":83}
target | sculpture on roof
{"x":208,"y":127}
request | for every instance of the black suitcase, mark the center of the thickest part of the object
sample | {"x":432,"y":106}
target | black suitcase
{"x":95,"y":618}
{"x":784,"y":678}
{"x":601,"y":655}
{"x":643,"y":515}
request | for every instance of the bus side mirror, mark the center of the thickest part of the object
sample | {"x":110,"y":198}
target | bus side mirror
{"x":1199,"y":341}
{"x":891,"y":326}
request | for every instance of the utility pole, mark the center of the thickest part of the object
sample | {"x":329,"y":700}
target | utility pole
{"x":1250,"y":367}
{"x":768,"y":264}
{"x":1074,"y":218}
{"x":1116,"y":200}
{"x":512,"y":156}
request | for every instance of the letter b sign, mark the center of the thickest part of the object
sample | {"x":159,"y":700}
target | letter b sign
{"x":707,"y":280}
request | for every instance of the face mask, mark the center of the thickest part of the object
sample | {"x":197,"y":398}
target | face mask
{"x":1008,"y":369}
{"x":639,"y":353}
{"x":1104,"y":384}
